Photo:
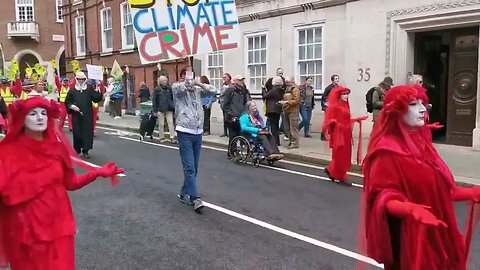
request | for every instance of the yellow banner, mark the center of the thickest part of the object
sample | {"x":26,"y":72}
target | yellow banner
{"x":116,"y":70}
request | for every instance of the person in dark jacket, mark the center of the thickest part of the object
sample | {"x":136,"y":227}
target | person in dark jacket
{"x":207,"y":102}
{"x":307,"y":104}
{"x":234,"y":105}
{"x":144,"y":93}
{"x":163,"y":106}
{"x":335,"y":81}
{"x":274,"y":109}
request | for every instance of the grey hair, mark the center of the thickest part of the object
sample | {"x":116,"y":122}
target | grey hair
{"x":415,"y":77}
{"x":277,"y":80}
{"x":290,"y":79}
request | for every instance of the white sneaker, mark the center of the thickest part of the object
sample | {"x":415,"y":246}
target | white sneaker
{"x":118,"y":117}
{"x":285,"y":138}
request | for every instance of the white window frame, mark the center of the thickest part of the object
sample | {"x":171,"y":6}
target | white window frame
{"x":124,"y":25}
{"x":217,"y":68}
{"x":255,"y":90}
{"x":103,"y":28}
{"x":318,"y":88}
{"x":77,"y":36}
{"x":17,"y":9}
{"x":59,"y":12}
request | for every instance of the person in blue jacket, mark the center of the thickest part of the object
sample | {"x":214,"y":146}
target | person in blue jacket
{"x":252,"y":123}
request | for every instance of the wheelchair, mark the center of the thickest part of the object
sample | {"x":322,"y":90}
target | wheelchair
{"x":246,"y":149}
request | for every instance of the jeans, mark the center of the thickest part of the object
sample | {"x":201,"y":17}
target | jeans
{"x":189,"y":145}
{"x":306,"y":113}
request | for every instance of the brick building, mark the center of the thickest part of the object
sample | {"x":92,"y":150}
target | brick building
{"x":31,"y":32}
{"x":100,"y":32}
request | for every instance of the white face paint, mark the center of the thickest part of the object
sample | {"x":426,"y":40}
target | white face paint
{"x":36,"y":119}
{"x":415,"y":115}
{"x":344,"y":97}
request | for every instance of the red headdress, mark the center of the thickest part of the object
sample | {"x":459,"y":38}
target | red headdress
{"x":338,"y":110}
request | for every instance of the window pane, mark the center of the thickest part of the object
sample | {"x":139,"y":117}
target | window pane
{"x":250,"y":43}
{"x":257,"y":57}
{"x":256,"y":43}
{"x":130,"y":35}
{"x":318,"y":51}
{"x":220,"y":55}
{"x":251,"y":71}
{"x":250,"y":57}
{"x":309,"y":52}
{"x":301,"y":37}
{"x":264,"y":72}
{"x":318,"y":82}
{"x":263,"y":43}
{"x":318,"y":67}
{"x":303,"y":68}
{"x":318,"y":35}
{"x":309,"y":35}
{"x":301,"y":52}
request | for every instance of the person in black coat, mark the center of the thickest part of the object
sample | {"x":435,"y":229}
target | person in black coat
{"x":274,"y":109}
{"x":164,"y":108}
{"x":144,"y":93}
{"x":234,"y":105}
{"x":79,"y":104}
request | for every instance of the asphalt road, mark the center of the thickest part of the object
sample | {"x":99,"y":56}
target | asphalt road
{"x":284,"y":217}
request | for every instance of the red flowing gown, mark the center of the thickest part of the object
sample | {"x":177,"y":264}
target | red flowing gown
{"x":339,"y":128}
{"x":392,"y":173}
{"x":37,"y":224}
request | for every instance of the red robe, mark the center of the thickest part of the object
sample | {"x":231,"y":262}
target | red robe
{"x":338,"y":127}
{"x":36,"y":216}
{"x":391,"y":172}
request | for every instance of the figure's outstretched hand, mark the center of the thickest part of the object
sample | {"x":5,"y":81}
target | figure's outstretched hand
{"x":435,"y":125}
{"x":360,"y":118}
{"x":476,"y":194}
{"x":422,"y":214}
{"x":109,"y":169}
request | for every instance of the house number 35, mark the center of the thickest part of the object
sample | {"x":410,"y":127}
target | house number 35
{"x":363,"y":75}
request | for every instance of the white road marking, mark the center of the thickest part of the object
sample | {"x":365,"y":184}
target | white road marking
{"x":97,"y":166}
{"x":225,"y":150}
{"x":263,"y":166}
{"x":300,"y":237}
{"x":274,"y":228}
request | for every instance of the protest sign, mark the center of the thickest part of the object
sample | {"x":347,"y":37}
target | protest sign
{"x":94,"y":72}
{"x":163,"y":29}
{"x":116,"y":70}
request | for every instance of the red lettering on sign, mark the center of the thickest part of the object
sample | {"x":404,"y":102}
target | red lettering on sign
{"x":167,"y":46}
{"x":183,"y":33}
{"x":219,"y":36}
{"x":143,"y":52}
{"x":202,"y":30}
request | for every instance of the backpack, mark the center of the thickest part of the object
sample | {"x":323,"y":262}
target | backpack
{"x":369,"y":98}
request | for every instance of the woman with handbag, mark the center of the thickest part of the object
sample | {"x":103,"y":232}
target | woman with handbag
{"x":116,"y":98}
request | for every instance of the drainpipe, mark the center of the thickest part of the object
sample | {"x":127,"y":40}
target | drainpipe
{"x":281,"y":35}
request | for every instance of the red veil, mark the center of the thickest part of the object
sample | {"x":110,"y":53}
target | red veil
{"x":390,"y":133}
{"x":53,"y":136}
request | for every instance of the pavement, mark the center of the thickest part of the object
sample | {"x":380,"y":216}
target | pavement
{"x":288,"y":216}
{"x":462,"y":161}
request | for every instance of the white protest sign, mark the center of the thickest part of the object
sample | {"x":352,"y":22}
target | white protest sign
{"x":94,"y":72}
{"x":164,"y":29}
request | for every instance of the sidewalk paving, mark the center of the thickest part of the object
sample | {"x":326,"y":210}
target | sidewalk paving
{"x":464,"y":162}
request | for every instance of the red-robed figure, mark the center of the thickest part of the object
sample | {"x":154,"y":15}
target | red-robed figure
{"x":337,"y":126}
{"x":36,"y":221}
{"x":409,"y":192}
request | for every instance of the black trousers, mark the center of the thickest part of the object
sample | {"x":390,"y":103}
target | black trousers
{"x":233,"y":130}
{"x":116,"y":109}
{"x":273,"y":121}
{"x":268,"y":143}
{"x":225,"y":124}
{"x":207,"y":112}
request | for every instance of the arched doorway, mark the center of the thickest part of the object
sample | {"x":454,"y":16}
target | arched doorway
{"x":26,"y":60}
{"x":62,"y":72}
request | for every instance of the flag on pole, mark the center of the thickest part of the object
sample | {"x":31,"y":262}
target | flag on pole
{"x":116,"y":72}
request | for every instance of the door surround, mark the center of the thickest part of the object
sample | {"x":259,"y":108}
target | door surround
{"x":400,"y":45}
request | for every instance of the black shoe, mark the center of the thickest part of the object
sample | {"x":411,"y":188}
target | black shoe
{"x":223,"y":135}
{"x":86,"y":155}
{"x":345,"y":183}
{"x":328,"y":174}
{"x":197,"y":205}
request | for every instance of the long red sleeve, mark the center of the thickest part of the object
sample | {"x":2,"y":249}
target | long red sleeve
{"x":58,"y":83}
{"x":16,"y":88}
{"x":77,"y":181}
{"x":463,"y":194}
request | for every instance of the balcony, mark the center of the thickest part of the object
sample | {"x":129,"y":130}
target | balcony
{"x":23,"y":30}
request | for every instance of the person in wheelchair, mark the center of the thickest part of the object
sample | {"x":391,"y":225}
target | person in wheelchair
{"x":252,"y":124}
